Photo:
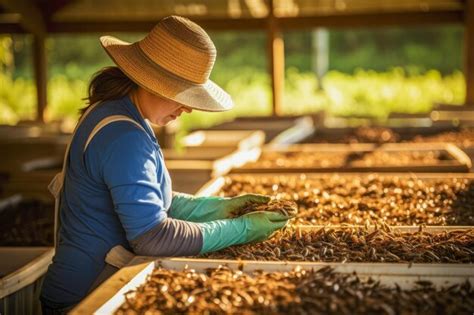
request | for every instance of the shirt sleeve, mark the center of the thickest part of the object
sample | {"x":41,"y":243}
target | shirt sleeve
{"x":170,"y":238}
{"x":130,"y":169}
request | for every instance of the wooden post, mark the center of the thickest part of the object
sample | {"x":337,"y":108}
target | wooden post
{"x":276,"y":56}
{"x":40,"y":71}
{"x":33,"y":22}
{"x":469,"y":51}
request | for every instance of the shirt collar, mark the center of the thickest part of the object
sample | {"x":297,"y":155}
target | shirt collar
{"x":133,"y":110}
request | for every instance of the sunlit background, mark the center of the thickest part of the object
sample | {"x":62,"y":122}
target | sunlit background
{"x":362,"y":72}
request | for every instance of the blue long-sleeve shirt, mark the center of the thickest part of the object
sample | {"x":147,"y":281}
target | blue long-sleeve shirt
{"x":115,"y":191}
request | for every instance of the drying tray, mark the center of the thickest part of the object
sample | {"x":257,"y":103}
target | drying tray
{"x":276,"y":128}
{"x":241,"y":139}
{"x":21,"y":266}
{"x":110,"y":295}
{"x":189,"y":169}
{"x":458,"y":160}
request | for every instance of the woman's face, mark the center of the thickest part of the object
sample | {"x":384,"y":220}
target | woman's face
{"x":159,"y":110}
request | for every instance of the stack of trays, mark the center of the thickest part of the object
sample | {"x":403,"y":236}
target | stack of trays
{"x":390,"y":157}
{"x":408,"y":237}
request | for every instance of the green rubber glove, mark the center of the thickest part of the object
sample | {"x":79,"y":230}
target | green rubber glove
{"x":204,"y":209}
{"x":251,"y":227}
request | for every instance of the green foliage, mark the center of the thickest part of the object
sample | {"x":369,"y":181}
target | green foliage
{"x":414,"y":48}
{"x":241,"y":69}
{"x":239,"y":49}
{"x":365,"y":93}
{"x":369,"y":93}
{"x":302,"y":93}
{"x":65,"y":98}
{"x":17,"y":96}
{"x":79,"y":57}
{"x":426,"y":47}
{"x":6,"y":54}
{"x":17,"y":99}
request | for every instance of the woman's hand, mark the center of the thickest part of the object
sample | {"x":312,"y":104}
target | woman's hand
{"x":205,"y":209}
{"x":232,"y":205}
{"x":251,"y":227}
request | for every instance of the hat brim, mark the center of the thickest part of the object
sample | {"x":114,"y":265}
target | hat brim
{"x":155,"y":79}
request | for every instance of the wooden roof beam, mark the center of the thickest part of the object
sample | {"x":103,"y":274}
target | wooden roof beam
{"x":358,"y":20}
{"x":146,"y":25}
{"x":11,"y":28}
{"x":31,"y":17}
{"x":285,"y":23}
{"x":371,"y":19}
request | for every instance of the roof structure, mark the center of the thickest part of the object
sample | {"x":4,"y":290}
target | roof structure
{"x":42,"y":17}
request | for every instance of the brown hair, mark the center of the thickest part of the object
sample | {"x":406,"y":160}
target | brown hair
{"x":108,"y":83}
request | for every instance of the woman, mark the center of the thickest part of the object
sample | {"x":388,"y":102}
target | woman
{"x":115,"y":188}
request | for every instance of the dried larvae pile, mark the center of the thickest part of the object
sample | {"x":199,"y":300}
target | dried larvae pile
{"x":347,"y":159}
{"x":349,"y":244}
{"x":287,"y":208}
{"x":372,"y":135}
{"x":377,"y":135}
{"x":299,"y":159}
{"x":463,"y":138}
{"x":225,"y":291}
{"x":400,"y":158}
{"x":359,"y":199}
{"x":27,"y":223}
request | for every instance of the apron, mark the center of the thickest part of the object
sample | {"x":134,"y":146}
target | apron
{"x":117,"y":256}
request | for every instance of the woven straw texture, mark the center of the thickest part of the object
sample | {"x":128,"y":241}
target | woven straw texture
{"x":174,"y":60}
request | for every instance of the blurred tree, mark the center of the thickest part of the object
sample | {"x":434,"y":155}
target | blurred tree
{"x":6,"y":55}
{"x":22,"y":56}
{"x":417,"y":49}
{"x":236,"y":52}
{"x":79,"y":57}
{"x":397,"y":63}
{"x":420,"y":48}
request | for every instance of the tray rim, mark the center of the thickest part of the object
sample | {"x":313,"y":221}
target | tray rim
{"x":109,"y":295}
{"x":28,"y":273}
{"x":459,"y":162}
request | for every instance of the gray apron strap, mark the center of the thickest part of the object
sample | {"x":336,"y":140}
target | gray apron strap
{"x":57,"y":183}
{"x":118,"y":256}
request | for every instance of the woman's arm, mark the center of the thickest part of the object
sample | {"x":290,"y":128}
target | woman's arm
{"x":130,"y":169}
{"x":170,"y":237}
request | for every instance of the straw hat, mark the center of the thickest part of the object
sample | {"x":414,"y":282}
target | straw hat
{"x":174,"y":60}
